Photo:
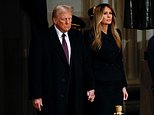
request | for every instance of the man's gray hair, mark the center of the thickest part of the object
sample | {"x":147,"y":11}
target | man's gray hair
{"x":60,"y":9}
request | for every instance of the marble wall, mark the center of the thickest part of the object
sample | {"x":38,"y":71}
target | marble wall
{"x":80,"y":7}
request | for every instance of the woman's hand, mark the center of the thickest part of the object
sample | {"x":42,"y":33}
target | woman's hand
{"x":125,"y":94}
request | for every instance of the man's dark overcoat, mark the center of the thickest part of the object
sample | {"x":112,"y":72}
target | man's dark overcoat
{"x":50,"y":75}
{"x":150,"y":56}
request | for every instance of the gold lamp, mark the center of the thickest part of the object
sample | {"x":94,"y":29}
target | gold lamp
{"x":118,"y":109}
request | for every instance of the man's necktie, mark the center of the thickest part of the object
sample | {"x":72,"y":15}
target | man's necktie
{"x":65,"y":48}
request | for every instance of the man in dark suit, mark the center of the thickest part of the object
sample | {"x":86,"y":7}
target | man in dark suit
{"x":58,"y":73}
{"x":150,"y":57}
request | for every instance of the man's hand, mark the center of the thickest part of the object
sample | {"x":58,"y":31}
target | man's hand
{"x":37,"y":103}
{"x":91,"y":95}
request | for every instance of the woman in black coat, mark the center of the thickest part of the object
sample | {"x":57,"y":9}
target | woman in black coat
{"x":104,"y":46}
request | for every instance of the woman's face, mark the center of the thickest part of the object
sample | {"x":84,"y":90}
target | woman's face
{"x":107,"y":16}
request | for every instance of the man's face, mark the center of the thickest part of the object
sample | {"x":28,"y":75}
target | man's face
{"x":63,"y":21}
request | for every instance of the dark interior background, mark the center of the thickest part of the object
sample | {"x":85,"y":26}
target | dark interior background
{"x":15,"y":34}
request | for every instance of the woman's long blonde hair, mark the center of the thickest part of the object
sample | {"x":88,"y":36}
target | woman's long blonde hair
{"x":97,"y":27}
